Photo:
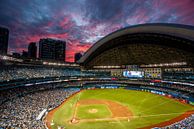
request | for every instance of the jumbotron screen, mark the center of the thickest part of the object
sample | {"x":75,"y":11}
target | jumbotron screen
{"x":133,"y":74}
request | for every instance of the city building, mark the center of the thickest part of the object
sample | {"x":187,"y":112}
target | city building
{"x":24,"y":54}
{"x":32,"y":50}
{"x":77,"y":56}
{"x":4,"y":36}
{"x":16,"y":55}
{"x":52,"y":49}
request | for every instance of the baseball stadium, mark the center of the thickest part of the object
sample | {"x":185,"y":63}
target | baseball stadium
{"x":139,"y":77}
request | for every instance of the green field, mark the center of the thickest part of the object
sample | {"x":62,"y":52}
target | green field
{"x":147,"y":109}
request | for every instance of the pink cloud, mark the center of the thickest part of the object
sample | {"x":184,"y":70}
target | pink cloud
{"x":74,"y":47}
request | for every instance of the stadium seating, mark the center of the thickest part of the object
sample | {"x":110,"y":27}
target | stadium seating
{"x":21,"y":111}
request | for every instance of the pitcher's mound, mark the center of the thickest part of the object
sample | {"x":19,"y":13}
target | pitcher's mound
{"x":93,"y":110}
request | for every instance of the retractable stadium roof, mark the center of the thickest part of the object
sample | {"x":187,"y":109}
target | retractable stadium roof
{"x":143,"y":44}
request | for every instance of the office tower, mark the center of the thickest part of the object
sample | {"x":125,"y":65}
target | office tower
{"x":51,"y":49}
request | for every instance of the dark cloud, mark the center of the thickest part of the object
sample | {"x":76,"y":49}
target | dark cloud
{"x":103,"y":10}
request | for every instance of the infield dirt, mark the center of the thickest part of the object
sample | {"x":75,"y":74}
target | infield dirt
{"x":116,"y":109}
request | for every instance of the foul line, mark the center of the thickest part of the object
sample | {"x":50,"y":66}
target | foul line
{"x":76,"y":105}
{"x":127,"y":118}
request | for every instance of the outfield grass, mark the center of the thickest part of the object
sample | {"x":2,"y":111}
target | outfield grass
{"x":148,"y":106}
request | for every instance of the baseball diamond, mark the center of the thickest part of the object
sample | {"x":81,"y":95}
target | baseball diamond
{"x":116,"y":108}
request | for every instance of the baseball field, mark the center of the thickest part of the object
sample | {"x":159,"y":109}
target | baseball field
{"x":116,"y":109}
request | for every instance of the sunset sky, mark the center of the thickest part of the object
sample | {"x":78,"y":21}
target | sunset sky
{"x":82,"y":22}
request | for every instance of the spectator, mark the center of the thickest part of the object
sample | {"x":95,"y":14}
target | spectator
{"x":21,"y":112}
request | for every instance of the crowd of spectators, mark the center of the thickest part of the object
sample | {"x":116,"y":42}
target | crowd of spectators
{"x":188,"y":90}
{"x":179,"y":76}
{"x":15,"y":72}
{"x":182,"y":87}
{"x":8,"y":73}
{"x":21,"y":112}
{"x":11,"y":93}
{"x":176,"y":87}
{"x":187,"y":123}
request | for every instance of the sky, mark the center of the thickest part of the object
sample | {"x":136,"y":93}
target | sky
{"x":83,"y":22}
